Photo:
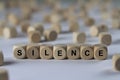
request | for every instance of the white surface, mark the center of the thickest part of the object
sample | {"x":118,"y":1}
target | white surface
{"x":61,"y":69}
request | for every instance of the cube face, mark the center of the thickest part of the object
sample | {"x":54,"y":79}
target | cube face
{"x":86,"y":52}
{"x":105,"y":38}
{"x":24,"y":26}
{"x":79,"y":37}
{"x":11,"y":32}
{"x":96,"y":30}
{"x":103,"y":28}
{"x":57,"y":27}
{"x":74,"y":26}
{"x":1,"y":58}
{"x":20,"y":53}
{"x":50,"y":35}
{"x":13,"y":19}
{"x":59,"y":52}
{"x":89,"y":21}
{"x":100,"y":53}
{"x":116,"y":24}
{"x":1,"y":29}
{"x":73,"y":52}
{"x":39,"y":27}
{"x":116,"y":62}
{"x":46,"y":52}
{"x":3,"y":74}
{"x":34,"y":36}
{"x":32,"y":52}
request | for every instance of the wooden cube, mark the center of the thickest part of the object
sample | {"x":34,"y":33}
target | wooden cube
{"x":103,"y":28}
{"x":30,"y":29}
{"x":116,"y":62}
{"x":2,"y":26}
{"x":74,"y":26}
{"x":55,"y":18}
{"x":57,"y":27}
{"x":100,"y":51}
{"x":34,"y":36}
{"x":96,"y":30}
{"x":50,"y":35}
{"x":105,"y":38}
{"x":13,"y":19}
{"x":73,"y":51}
{"x":116,"y":23}
{"x":115,"y":14}
{"x":19,"y":51}
{"x":46,"y":51}
{"x":86,"y":52}
{"x":79,"y":37}
{"x":39,"y":27}
{"x":60,"y":52}
{"x":9,"y":32}
{"x":33,"y":51}
{"x":83,"y":14}
{"x":89,"y":21}
{"x":24,"y":26}
{"x":26,"y":15}
{"x":47,"y":18}
{"x":4,"y":74}
{"x":1,"y":58}
{"x":36,"y":27}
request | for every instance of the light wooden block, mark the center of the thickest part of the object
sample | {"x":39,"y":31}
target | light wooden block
{"x":105,"y":38}
{"x":73,"y":51}
{"x":46,"y":51}
{"x":13,"y":19}
{"x":34,"y":37}
{"x":79,"y":37}
{"x":24,"y":26}
{"x":19,"y":51}
{"x":105,"y":15}
{"x":96,"y":30}
{"x":55,"y":18}
{"x":33,"y":51}
{"x":72,"y":19}
{"x":39,"y":27}
{"x":30,"y":29}
{"x":26,"y":15}
{"x":2,"y":26}
{"x":103,"y":28}
{"x":57,"y":27}
{"x":9,"y":32}
{"x":89,"y":21}
{"x":65,"y":14}
{"x":50,"y":35}
{"x":47,"y":18}
{"x":115,"y":14}
{"x":4,"y":74}
{"x":116,"y":62}
{"x":60,"y":52}
{"x":1,"y":58}
{"x":100,"y":51}
{"x":116,"y":23}
{"x":86,"y":52}
{"x":83,"y":14}
{"x":74,"y":26}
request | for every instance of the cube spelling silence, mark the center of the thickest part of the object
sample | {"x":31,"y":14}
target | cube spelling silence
{"x":60,"y":51}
